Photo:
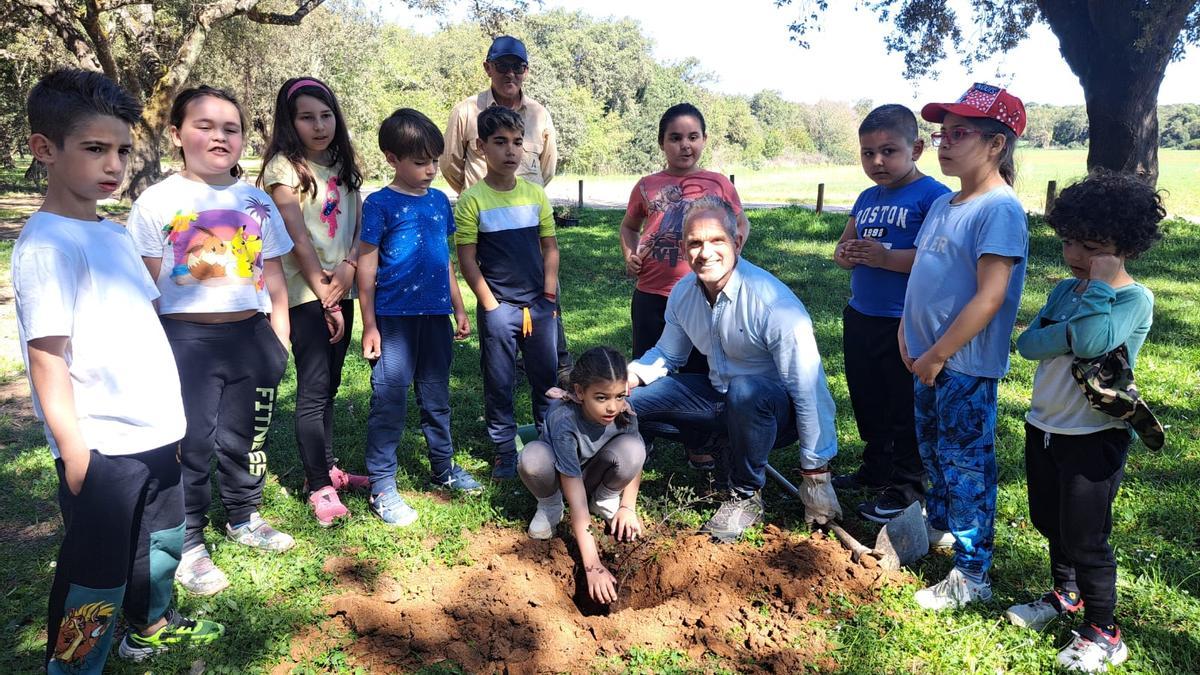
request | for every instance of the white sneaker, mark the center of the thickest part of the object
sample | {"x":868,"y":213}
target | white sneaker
{"x":199,"y":575}
{"x":939,"y":539}
{"x":604,"y":503}
{"x":1091,"y":651}
{"x":549,"y":514}
{"x":1038,"y":614}
{"x":955,"y":590}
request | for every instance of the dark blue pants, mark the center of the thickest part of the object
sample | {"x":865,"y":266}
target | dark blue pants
{"x":502,"y":332}
{"x":755,"y":413}
{"x":124,"y":536}
{"x":956,"y":433}
{"x":412,"y":349}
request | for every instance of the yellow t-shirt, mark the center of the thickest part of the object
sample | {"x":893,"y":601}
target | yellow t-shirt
{"x":329,"y":216}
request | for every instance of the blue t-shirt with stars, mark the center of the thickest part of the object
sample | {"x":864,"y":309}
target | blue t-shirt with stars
{"x":412,"y":235}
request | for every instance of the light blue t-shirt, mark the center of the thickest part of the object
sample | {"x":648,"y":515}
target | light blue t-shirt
{"x":412,"y":234}
{"x":943,"y":277}
{"x":892,"y":217}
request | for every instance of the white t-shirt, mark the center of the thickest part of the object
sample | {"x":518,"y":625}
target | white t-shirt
{"x":212,"y":241}
{"x":83,"y":280}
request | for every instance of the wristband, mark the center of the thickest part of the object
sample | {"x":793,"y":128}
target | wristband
{"x":334,"y":309}
{"x":552,"y":297}
{"x":815,"y":472}
{"x":627,"y":508}
{"x":350,"y":262}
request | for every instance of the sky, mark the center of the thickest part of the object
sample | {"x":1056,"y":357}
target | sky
{"x":748,"y":50}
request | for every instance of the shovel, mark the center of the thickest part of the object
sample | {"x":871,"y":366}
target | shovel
{"x":902,"y":541}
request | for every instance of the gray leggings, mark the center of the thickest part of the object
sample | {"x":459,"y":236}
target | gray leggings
{"x":615,"y":465}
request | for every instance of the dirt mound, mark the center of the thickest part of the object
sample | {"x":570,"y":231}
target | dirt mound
{"x":523,"y":609}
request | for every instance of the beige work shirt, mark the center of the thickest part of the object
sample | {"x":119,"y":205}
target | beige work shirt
{"x":463,"y":164}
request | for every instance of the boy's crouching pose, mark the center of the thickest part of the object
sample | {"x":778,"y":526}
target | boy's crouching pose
{"x":104,"y":384}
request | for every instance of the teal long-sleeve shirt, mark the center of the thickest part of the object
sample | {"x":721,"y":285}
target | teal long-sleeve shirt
{"x":1085,"y":323}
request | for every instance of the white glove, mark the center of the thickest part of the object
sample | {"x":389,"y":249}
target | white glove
{"x":820,"y":502}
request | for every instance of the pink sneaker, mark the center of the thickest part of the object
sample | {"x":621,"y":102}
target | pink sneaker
{"x":327,"y":507}
{"x":342,"y":480}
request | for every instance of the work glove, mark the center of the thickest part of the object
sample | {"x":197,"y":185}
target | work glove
{"x":820,"y":502}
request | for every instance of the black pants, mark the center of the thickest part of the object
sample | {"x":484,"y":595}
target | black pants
{"x":124,"y":536}
{"x":1072,"y":483}
{"x":229,"y":373}
{"x":647,"y":314}
{"x":318,"y":376}
{"x":881,"y":393}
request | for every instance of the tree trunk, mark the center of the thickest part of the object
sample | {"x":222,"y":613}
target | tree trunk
{"x":145,"y":168}
{"x":1120,"y":51}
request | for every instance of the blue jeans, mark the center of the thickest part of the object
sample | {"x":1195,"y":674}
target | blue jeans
{"x":411,"y":349}
{"x":501,"y":332}
{"x":956,"y":434}
{"x":756,"y":414}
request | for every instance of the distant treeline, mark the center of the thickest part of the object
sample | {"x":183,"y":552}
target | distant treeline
{"x":597,"y":76}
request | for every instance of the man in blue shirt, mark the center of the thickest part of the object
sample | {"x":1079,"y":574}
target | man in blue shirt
{"x":765,"y":386}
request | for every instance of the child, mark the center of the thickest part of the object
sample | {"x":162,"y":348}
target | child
{"x":1074,"y":455}
{"x":591,"y":450}
{"x":878,"y":247}
{"x":652,"y":231}
{"x":958,"y":317}
{"x":312,"y":174}
{"x":106,"y":390}
{"x":213,"y":244}
{"x":509,"y":257}
{"x":407,"y":287}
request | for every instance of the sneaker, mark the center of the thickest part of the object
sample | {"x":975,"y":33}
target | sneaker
{"x":392,"y":509}
{"x":955,"y":590}
{"x":343,"y":480}
{"x":546,"y":518}
{"x":939,"y":539}
{"x":1093,"y":651}
{"x":257,"y":533}
{"x":882,"y":509}
{"x":505,"y":466}
{"x":199,"y":575}
{"x":179,"y":632}
{"x":856,"y":481}
{"x":1038,"y":614}
{"x":326,"y":506}
{"x":457,"y":479}
{"x":604,"y":503}
{"x":734,"y":516}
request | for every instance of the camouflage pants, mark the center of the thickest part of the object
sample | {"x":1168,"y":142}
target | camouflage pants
{"x":956,"y":434}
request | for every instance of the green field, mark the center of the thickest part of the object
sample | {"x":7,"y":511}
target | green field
{"x":1179,"y":179}
{"x":275,"y":598}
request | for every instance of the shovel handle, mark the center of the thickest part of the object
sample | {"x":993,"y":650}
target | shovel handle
{"x":857,"y":550}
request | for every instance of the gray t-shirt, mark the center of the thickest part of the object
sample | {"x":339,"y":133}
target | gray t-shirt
{"x":576,"y":440}
{"x":943,"y":278}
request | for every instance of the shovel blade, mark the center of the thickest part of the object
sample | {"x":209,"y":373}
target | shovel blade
{"x":904,"y":540}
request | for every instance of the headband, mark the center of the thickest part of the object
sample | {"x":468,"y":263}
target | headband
{"x":307,"y":83}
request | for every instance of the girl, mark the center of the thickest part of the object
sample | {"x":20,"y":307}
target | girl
{"x":652,"y":230}
{"x":590,"y":449}
{"x":959,"y":311}
{"x":312,"y":174}
{"x":213,"y":244}
{"x":1075,"y":455}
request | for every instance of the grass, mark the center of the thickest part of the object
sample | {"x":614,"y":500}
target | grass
{"x":274,"y":598}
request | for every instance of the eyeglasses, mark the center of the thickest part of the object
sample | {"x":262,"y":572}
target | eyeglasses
{"x":952,"y":137}
{"x":506,"y":68}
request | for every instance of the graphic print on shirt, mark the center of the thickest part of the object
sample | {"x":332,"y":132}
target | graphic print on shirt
{"x":663,"y":243}
{"x":332,"y":208}
{"x":218,"y":247}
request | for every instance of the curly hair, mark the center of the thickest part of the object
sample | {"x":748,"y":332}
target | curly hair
{"x":1107,"y":206}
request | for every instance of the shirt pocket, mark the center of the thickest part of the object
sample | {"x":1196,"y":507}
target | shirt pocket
{"x":533,"y":156}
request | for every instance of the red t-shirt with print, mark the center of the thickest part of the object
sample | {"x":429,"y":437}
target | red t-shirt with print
{"x":659,"y":201}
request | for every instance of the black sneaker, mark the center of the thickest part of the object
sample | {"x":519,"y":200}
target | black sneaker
{"x":856,"y":481}
{"x":733,"y":517}
{"x":882,"y":509}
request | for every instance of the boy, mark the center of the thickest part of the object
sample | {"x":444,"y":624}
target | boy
{"x":107,"y":390}
{"x":878,"y":247}
{"x":406,"y":288}
{"x":509,"y":256}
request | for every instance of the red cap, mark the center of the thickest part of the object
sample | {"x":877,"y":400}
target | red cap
{"x":982,"y":100}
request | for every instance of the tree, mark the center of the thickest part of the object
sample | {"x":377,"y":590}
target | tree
{"x":1119,"y":50}
{"x":151,"y":48}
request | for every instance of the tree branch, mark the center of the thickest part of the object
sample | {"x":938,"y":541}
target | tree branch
{"x":109,"y":5}
{"x":100,"y":39}
{"x":276,"y":18}
{"x":64,"y":25}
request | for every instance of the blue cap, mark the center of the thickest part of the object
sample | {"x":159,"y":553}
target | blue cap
{"x":507,"y":45}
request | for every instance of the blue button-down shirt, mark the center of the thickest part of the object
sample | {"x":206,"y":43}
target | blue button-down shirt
{"x":757,"y":326}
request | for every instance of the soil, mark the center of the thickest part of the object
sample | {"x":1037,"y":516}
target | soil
{"x":521,"y":608}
